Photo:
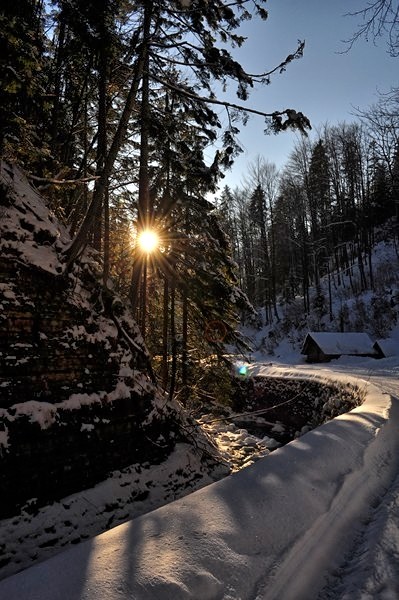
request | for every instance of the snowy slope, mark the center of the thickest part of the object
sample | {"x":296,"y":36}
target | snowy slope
{"x":374,"y":311}
{"x":279,"y":529}
{"x":315,"y":519}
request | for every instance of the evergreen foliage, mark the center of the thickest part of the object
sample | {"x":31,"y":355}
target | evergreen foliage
{"x":23,"y":101}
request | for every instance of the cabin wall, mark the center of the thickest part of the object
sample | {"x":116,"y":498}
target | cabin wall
{"x":314,"y":354}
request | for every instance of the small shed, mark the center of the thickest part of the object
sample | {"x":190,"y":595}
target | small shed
{"x":322,"y":346}
{"x":386,"y":348}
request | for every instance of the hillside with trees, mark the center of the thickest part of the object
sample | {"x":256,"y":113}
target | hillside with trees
{"x":318,"y":220}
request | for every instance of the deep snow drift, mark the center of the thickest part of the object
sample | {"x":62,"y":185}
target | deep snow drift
{"x":283,"y":528}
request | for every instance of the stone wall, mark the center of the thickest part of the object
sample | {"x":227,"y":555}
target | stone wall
{"x":62,"y":423}
{"x":290,"y":407}
{"x":45,"y":348}
{"x":78,"y":450}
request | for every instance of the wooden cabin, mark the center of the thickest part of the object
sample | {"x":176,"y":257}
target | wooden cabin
{"x":322,"y":346}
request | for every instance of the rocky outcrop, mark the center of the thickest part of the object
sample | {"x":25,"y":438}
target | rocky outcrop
{"x":77,"y":395}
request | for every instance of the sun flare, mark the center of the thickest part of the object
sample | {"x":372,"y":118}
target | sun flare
{"x":148,"y":240}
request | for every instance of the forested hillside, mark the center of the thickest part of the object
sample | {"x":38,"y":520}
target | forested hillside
{"x":136,"y":288}
{"x":320,"y":217}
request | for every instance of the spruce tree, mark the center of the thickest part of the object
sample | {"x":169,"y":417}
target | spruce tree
{"x":22,"y":91}
{"x":319,"y":207}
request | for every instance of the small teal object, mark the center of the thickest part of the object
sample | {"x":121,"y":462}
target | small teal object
{"x":242,"y":370}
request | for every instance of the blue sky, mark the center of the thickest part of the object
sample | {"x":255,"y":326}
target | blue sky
{"x":326,"y":84}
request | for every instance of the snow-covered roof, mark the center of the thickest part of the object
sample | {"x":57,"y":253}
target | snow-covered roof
{"x":334,"y":343}
{"x":388,"y":347}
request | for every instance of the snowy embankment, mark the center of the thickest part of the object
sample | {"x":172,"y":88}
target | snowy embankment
{"x":275,"y":530}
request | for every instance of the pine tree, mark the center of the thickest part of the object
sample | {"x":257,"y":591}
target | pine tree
{"x":258,"y":213}
{"x":395,"y":182}
{"x":319,"y":207}
{"x":164,"y":54}
{"x":22,"y":93}
{"x":381,"y":198}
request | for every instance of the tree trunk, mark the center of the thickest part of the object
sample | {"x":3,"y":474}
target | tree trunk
{"x":80,"y":241}
{"x":273,"y":264}
{"x":143,"y":208}
{"x":143,"y":297}
{"x":173,"y":373}
{"x":57,"y":85}
{"x":363,"y":280}
{"x":330,"y":306}
{"x":184,"y":352}
{"x":165,"y":323}
{"x":101,"y":131}
{"x":106,"y":265}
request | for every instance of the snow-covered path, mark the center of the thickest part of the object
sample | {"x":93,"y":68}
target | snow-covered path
{"x":370,"y":572}
{"x":300,"y":524}
{"x":358,"y":537}
{"x":371,"y":569}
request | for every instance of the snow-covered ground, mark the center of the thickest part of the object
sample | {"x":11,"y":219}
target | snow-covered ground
{"x":317,"y":518}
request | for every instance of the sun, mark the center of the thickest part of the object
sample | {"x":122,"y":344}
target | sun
{"x":148,"y":240}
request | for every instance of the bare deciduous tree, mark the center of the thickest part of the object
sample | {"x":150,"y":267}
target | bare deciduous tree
{"x":379,"y":18}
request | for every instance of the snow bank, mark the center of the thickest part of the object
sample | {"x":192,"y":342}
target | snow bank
{"x":275,"y":530}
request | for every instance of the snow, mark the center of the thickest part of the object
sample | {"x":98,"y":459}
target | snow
{"x":3,"y":439}
{"x":38,"y":237}
{"x":294,"y":525}
{"x":42,"y":413}
{"x":37,"y":533}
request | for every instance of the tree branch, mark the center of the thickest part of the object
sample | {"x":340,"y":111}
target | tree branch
{"x":51,"y":181}
{"x":295,"y":120}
